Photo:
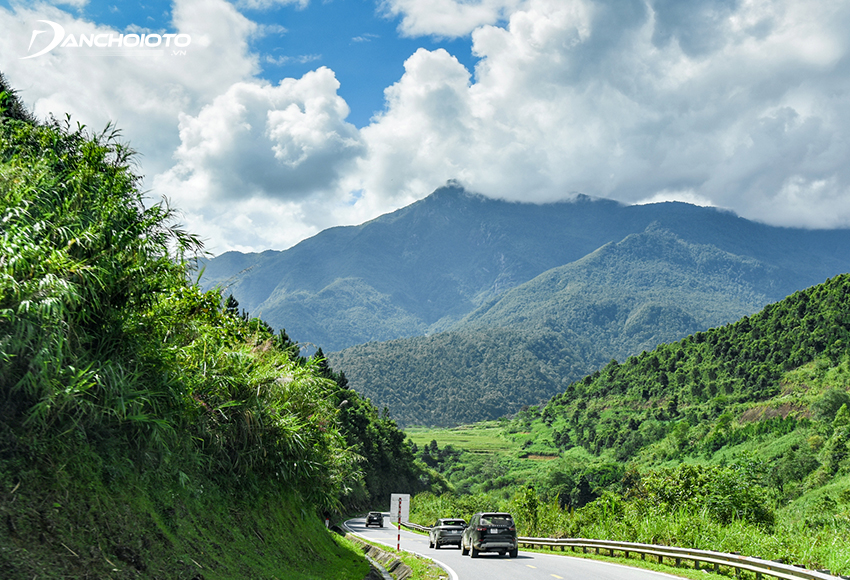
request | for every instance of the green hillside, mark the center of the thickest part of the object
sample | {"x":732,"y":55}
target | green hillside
{"x":734,"y":439}
{"x":147,"y":427}
{"x":531,"y":342}
{"x":707,"y":376}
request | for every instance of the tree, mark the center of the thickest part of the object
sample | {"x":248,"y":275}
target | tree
{"x":836,"y":450}
{"x":827,"y":405}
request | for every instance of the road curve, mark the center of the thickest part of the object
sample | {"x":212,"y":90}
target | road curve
{"x":527,"y":566}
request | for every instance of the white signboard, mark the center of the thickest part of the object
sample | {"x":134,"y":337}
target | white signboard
{"x":405,"y":507}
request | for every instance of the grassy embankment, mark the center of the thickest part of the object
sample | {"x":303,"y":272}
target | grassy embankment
{"x":146,"y":429}
{"x":75,"y":526}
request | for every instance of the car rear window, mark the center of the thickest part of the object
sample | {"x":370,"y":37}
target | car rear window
{"x":454,"y":523}
{"x":496,"y":520}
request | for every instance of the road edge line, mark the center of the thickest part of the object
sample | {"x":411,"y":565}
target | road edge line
{"x":452,"y":574}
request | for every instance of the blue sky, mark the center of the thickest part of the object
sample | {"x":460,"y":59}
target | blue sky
{"x":354,"y":38}
{"x":281,"y":118}
{"x":350,"y":37}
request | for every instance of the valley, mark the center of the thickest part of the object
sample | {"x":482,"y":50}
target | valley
{"x":459,"y":308}
{"x":736,"y":439}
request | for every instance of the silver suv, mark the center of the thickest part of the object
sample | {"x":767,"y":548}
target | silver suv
{"x":490,"y":532}
{"x":445,"y":532}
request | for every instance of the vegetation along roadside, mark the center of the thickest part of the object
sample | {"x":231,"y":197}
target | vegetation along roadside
{"x":148,"y":428}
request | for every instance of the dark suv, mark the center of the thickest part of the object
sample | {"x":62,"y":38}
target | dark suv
{"x":490,"y":532}
{"x":376,"y":518}
{"x":445,"y":532}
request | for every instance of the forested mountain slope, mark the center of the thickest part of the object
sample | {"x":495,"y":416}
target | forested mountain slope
{"x":528,"y":344}
{"x":734,"y":439}
{"x":423,"y":268}
{"x":649,"y":288}
{"x":707,"y":375}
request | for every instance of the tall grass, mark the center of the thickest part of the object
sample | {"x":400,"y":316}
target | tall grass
{"x":105,"y":341}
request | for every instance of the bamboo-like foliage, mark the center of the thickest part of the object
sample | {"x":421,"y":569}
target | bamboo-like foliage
{"x":251,"y":406}
{"x":78,"y":251}
{"x":103,"y":338}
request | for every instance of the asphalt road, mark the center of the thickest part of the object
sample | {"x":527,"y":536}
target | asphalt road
{"x":528,"y":566}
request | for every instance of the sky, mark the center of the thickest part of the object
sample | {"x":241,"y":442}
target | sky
{"x":266,"y":121}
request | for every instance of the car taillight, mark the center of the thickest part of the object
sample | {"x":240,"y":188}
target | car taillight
{"x":512,"y":529}
{"x":480,"y":529}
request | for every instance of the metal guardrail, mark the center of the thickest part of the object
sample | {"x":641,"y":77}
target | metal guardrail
{"x":699,"y":558}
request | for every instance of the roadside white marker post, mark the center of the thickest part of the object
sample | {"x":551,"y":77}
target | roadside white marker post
{"x":398,"y":545}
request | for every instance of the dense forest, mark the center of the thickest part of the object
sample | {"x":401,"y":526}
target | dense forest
{"x":735,"y":439}
{"x":534,"y":340}
{"x":143,"y":417}
{"x":707,"y":377}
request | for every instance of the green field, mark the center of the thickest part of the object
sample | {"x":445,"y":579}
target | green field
{"x":485,"y":457}
{"x":485,"y":437}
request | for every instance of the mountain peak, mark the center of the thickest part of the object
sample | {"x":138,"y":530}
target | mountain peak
{"x":453,"y":192}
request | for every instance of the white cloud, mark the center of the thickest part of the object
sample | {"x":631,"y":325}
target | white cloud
{"x":143,"y":96}
{"x":78,"y":4}
{"x":271,"y":29}
{"x":744,"y":107}
{"x":257,"y":140}
{"x":267,"y":4}
{"x":735,"y":105}
{"x":447,"y":18}
{"x":367,"y":37}
{"x":285,"y":60}
{"x":412,"y":145}
{"x":686,"y":196}
{"x":251,"y":162}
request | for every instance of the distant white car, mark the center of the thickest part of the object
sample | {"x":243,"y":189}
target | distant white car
{"x":446,"y":532}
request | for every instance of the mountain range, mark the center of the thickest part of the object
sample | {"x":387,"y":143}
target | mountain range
{"x":459,"y":307}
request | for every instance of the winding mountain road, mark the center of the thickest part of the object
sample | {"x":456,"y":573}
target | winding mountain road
{"x":527,"y":566}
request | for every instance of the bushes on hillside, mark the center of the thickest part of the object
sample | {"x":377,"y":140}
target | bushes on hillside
{"x":106,"y":344}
